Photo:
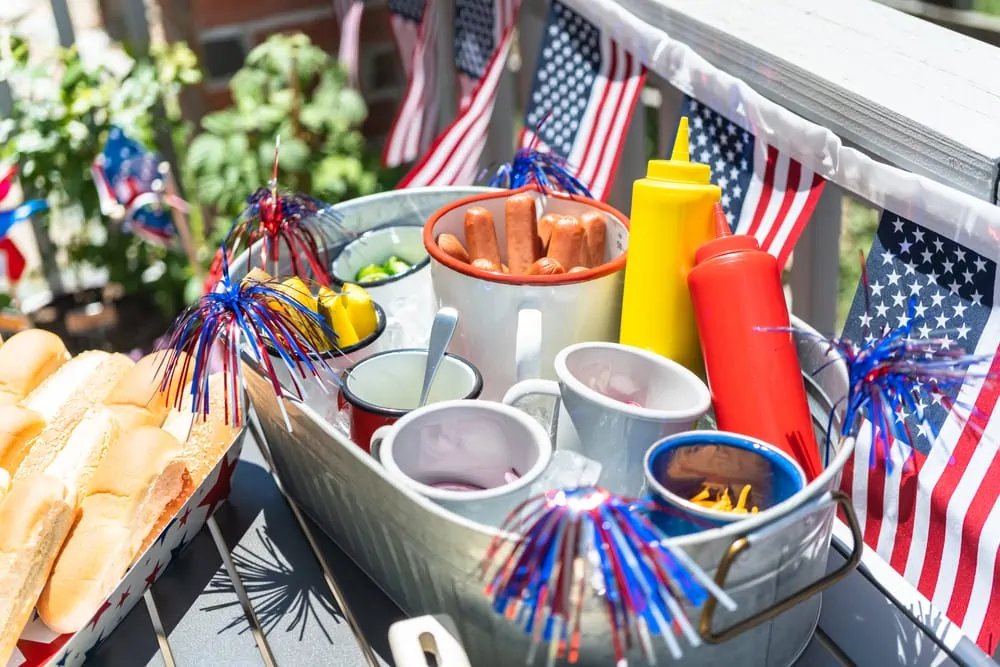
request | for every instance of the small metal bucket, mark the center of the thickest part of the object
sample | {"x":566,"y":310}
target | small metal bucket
{"x":426,"y":559}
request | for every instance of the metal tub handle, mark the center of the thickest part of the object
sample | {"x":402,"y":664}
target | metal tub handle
{"x":742,"y":544}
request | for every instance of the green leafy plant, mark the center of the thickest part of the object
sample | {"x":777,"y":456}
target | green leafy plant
{"x":293,"y":89}
{"x":62,"y":111}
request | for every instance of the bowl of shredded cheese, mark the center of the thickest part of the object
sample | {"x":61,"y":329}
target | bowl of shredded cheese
{"x":705,"y":479}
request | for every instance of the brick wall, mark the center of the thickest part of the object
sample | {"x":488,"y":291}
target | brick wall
{"x":223,"y":31}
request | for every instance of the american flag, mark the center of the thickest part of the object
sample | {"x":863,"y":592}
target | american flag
{"x":937,"y":522}
{"x":477,"y":32}
{"x":349,"y":14}
{"x":454,"y":157}
{"x":413,"y":130}
{"x":765,"y":193}
{"x":585,"y":89}
{"x":12,"y":260}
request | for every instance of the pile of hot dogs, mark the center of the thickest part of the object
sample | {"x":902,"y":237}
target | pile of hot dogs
{"x":550,"y":245}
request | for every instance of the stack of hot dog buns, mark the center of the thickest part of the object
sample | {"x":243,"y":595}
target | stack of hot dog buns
{"x":549,"y":245}
{"x":87,"y":473}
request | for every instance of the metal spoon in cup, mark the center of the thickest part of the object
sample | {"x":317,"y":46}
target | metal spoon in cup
{"x":442,"y":332}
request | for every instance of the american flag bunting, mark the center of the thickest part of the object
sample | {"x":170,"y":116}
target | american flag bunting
{"x":937,"y":521}
{"x":454,"y":157}
{"x":349,"y":13}
{"x":412,"y":132}
{"x":765,"y":193}
{"x":585,"y":89}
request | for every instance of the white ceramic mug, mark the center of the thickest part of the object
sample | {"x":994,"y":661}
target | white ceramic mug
{"x":475,"y":458}
{"x":408,"y":298}
{"x":511,"y":327}
{"x":616,"y":401}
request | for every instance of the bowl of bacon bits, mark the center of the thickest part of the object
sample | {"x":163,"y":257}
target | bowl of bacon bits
{"x":706,"y":479}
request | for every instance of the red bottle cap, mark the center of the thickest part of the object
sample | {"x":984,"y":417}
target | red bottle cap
{"x":725,"y":241}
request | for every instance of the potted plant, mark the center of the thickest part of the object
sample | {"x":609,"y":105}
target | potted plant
{"x":62,"y":112}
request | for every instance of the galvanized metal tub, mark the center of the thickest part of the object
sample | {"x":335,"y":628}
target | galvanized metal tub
{"x":426,"y":559}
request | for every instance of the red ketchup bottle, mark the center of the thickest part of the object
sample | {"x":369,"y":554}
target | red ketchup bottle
{"x":754,"y":375}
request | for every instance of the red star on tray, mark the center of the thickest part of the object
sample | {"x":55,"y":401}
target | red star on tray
{"x":151,"y":578}
{"x":184,"y":517}
{"x":123,"y":598}
{"x":220,"y":490}
{"x":100,"y":612}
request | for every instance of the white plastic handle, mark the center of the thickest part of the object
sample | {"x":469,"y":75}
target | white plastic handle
{"x":376,"y":443}
{"x":409,"y":640}
{"x":528,"y":345}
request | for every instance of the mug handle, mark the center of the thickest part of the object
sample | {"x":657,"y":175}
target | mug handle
{"x":528,"y":345}
{"x":378,"y":436}
{"x":537,"y":387}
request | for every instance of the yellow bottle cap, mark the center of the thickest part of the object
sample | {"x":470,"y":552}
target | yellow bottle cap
{"x":679,"y":167}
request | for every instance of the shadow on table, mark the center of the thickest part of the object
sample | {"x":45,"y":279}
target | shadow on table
{"x":281,"y":576}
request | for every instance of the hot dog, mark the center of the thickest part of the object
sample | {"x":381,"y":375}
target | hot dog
{"x":486,"y":265}
{"x":545,"y":224}
{"x":546,"y":266}
{"x":523,"y":246}
{"x":578,"y":269}
{"x":480,"y":236}
{"x":594,"y":231}
{"x":452,"y":246}
{"x":567,"y":242}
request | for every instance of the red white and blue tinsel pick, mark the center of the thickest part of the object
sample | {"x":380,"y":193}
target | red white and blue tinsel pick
{"x":304,"y":225}
{"x":564,"y":542}
{"x":535,"y":166}
{"x":252,"y":316}
{"x":894,"y":374}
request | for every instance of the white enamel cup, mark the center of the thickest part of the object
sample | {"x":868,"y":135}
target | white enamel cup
{"x":615,"y":401}
{"x":512,"y":327}
{"x":491,"y":449}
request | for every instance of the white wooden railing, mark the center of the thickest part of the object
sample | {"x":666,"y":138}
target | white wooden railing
{"x":885,"y":94}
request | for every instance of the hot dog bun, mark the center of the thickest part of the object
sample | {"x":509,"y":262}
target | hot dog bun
{"x":205,"y":443}
{"x":64,"y":398}
{"x":35,"y":517}
{"x":138,"y":478}
{"x":136,"y":399}
{"x":27,"y":359}
{"x":18,"y":428}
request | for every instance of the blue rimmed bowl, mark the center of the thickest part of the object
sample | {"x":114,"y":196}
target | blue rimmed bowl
{"x":680,"y":466}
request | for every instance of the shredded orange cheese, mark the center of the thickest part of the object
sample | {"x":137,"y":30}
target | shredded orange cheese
{"x":721,"y":502}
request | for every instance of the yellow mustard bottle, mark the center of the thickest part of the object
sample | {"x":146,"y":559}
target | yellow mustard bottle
{"x":671,"y":218}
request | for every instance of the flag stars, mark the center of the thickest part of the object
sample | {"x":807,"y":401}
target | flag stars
{"x":960,"y":309}
{"x":959,"y":254}
{"x":938,"y":245}
{"x":927,"y":256}
{"x":947,"y":266}
{"x":976,"y":298}
{"x":942,"y":321}
{"x":980,"y":264}
{"x":881,"y":310}
{"x":887,"y":258}
{"x":893,"y":277}
{"x":898,"y":299}
{"x":904,"y":247}
{"x":897,"y":225}
{"x":968,"y":276}
{"x":876,"y":288}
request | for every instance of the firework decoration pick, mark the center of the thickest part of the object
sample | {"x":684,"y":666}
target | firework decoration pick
{"x":533,"y":165}
{"x":893,"y":374}
{"x":278,"y":217}
{"x":249,"y":315}
{"x":563,"y":542}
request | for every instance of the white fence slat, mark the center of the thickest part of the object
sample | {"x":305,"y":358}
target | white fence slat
{"x":816,"y":263}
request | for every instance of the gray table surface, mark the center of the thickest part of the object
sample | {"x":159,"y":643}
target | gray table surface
{"x":197,"y":611}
